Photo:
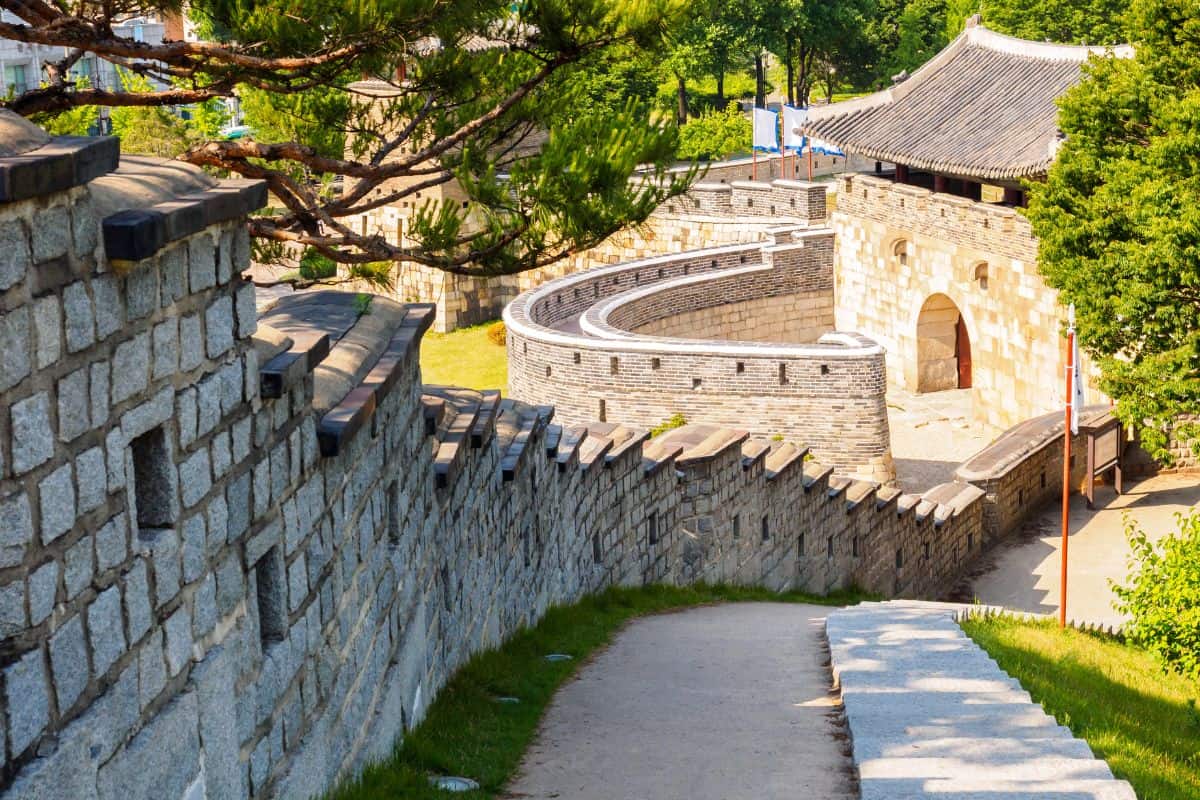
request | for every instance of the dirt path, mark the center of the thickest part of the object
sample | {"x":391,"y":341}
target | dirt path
{"x":719,"y":703}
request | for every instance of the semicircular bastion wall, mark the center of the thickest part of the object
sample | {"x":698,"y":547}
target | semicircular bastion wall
{"x":741,"y":335}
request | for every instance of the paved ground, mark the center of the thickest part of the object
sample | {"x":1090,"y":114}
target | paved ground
{"x":721,"y":703}
{"x":931,"y":436}
{"x":932,"y":716}
{"x":1024,"y":574}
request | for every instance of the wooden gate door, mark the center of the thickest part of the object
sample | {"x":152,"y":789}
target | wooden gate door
{"x":962,"y":351}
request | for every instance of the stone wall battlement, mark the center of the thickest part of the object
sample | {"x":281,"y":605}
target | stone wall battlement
{"x":983,"y":227}
{"x":595,"y":344}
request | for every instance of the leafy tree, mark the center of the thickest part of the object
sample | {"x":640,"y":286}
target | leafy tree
{"x":814,"y":39}
{"x":1065,"y":21}
{"x":472,"y":91}
{"x":1162,"y":597}
{"x":715,"y":135}
{"x":1118,"y":223}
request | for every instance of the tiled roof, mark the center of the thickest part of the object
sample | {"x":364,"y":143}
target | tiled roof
{"x":984,"y":107}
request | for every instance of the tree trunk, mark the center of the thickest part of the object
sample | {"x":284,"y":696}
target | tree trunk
{"x":681,"y":110}
{"x":791,"y":71}
{"x":720,"y":88}
{"x":760,"y":81}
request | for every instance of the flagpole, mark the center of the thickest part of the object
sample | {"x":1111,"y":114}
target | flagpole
{"x":1066,"y":484}
{"x":753,"y":163}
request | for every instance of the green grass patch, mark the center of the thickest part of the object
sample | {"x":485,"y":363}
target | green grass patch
{"x":467,"y":732}
{"x":1111,"y":694}
{"x":465,"y":357}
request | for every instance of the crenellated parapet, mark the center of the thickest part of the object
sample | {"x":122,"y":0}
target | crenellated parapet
{"x":241,"y":552}
{"x":735,"y":336}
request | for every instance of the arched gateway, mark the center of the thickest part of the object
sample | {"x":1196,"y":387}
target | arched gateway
{"x":943,"y":346}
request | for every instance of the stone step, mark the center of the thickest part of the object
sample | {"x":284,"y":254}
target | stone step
{"x":932,"y":716}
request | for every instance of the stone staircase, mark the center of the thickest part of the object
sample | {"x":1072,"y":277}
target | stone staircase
{"x":931,"y":715}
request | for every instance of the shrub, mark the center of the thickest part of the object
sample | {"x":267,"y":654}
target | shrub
{"x":497,"y":333}
{"x":715,"y":135}
{"x":676,"y":421}
{"x":316,"y":267}
{"x":1162,"y":597}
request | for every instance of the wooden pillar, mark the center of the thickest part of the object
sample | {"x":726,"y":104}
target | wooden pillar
{"x":972,"y":190}
{"x":901,"y":173}
{"x":939,"y":183}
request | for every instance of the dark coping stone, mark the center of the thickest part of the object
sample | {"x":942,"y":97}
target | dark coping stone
{"x":345,"y":419}
{"x":288,"y":368}
{"x":137,"y":234}
{"x":67,"y":162}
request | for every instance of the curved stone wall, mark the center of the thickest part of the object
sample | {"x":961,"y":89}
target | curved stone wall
{"x":580,"y":344}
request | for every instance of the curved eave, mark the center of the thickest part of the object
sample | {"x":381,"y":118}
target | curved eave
{"x":994,"y":173}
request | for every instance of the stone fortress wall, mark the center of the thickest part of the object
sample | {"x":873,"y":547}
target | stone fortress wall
{"x":957,"y":254}
{"x":708,"y":216}
{"x":240,"y":556}
{"x":593,"y":345}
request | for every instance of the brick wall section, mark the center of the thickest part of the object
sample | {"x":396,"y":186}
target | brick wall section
{"x":831,"y":395}
{"x":801,"y":317}
{"x":704,"y":217}
{"x":1012,"y":318}
{"x":196,"y":603}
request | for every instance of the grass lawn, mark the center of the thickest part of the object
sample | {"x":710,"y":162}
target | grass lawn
{"x":465,"y":357}
{"x":1113,"y":695}
{"x":467,"y":732}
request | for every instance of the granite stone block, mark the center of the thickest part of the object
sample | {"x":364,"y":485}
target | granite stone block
{"x":93,"y":479}
{"x":43,"y":591}
{"x":131,"y":362}
{"x":16,"y":528}
{"x":246,"y":311}
{"x":47,"y":330}
{"x":32,"y":433}
{"x":141,"y":292}
{"x":15,"y":255}
{"x":74,"y":405}
{"x":100,"y":394}
{"x":69,"y":661}
{"x":28,"y":700}
{"x":77,"y":574}
{"x":191,"y":342}
{"x":166,"y":349}
{"x":195,"y":478}
{"x":14,"y":347}
{"x":185,"y":414}
{"x":13,"y":618}
{"x":178,"y":629}
{"x":112,"y":543}
{"x":110,"y":307}
{"x":106,"y":633}
{"x":80,"y":319}
{"x":218,"y":327}
{"x":152,"y":669}
{"x":52,"y":234}
{"x":202,"y":262}
{"x":56,"y":497}
{"x":138,"y":612}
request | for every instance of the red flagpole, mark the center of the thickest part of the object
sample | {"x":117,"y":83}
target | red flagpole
{"x":1066,"y":485}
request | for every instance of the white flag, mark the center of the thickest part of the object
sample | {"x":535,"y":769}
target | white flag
{"x":793,"y":118}
{"x":824,"y":148}
{"x":766,"y":130}
{"x":1076,"y":376}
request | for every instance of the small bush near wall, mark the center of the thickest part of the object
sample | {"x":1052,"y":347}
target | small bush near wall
{"x":1163,"y":595}
{"x":497,"y":333}
{"x":675,"y":421}
{"x":315,"y":267}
